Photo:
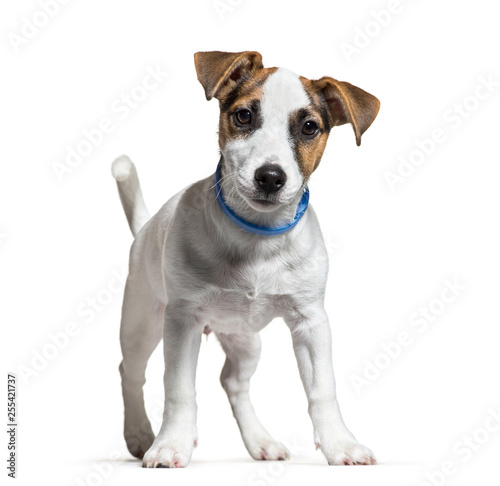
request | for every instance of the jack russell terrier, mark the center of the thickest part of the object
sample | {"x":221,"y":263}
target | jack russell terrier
{"x":232,"y":252}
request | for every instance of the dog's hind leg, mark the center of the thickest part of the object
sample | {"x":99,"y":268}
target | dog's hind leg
{"x":140,"y":333}
{"x":242,"y":356}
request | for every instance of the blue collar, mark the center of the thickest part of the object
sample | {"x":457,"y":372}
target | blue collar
{"x":253,"y":228}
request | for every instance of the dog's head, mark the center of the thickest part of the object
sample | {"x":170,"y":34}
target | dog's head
{"x":274,"y":124}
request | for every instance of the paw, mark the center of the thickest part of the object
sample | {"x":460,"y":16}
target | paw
{"x":267,"y":450}
{"x":348,"y":454}
{"x":168,"y":454}
{"x":139,"y":439}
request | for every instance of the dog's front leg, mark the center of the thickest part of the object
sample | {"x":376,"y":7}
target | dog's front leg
{"x":312,"y":345}
{"x":174,"y":443}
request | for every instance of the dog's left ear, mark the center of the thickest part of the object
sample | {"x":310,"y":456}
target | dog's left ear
{"x":348,"y":104}
{"x":218,"y":72}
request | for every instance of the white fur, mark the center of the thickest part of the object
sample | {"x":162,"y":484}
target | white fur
{"x":190,"y":267}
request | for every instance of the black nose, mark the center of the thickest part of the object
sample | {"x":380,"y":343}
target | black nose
{"x":270,"y":178}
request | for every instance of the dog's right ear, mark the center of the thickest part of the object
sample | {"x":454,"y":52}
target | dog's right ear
{"x":219,"y":72}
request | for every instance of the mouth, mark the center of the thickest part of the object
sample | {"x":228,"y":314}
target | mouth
{"x":262,"y":204}
{"x":265,"y":204}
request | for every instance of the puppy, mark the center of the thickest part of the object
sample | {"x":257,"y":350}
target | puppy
{"x":232,"y":252}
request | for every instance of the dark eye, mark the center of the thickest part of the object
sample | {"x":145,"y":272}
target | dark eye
{"x":310,"y":128}
{"x":243,"y":117}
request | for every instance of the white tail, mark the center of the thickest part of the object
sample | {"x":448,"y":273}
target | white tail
{"x":124,"y":172}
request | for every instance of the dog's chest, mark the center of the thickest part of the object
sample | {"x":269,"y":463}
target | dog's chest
{"x":246,"y":299}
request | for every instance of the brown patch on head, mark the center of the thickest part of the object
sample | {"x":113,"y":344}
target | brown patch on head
{"x":309,"y":154}
{"x":245,"y":95}
{"x":309,"y":147}
{"x":236,"y":80}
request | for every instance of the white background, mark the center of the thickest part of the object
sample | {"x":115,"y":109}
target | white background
{"x":391,"y":251}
